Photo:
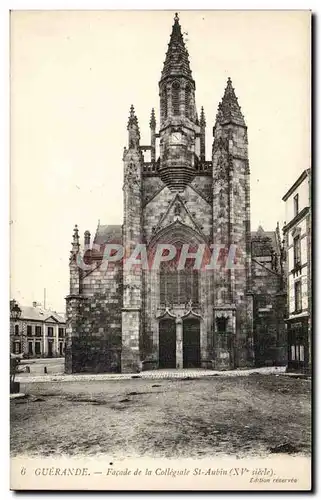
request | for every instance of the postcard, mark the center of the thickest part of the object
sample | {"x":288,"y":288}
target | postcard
{"x":160,"y":312}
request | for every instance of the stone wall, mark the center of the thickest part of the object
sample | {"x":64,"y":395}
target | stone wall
{"x":94,"y":322}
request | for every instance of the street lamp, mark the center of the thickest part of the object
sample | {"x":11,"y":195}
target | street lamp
{"x":15,"y":314}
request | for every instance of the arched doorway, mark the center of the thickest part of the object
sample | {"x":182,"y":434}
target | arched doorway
{"x":191,"y":343}
{"x":167,"y":343}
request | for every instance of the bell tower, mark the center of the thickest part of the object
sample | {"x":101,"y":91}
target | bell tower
{"x":231,"y":228}
{"x":179,"y":128}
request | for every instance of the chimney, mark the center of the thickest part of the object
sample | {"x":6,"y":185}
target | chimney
{"x":34,"y":304}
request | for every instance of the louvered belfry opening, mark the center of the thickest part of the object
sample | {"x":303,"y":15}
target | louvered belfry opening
{"x":188,"y":101}
{"x":175,"y":98}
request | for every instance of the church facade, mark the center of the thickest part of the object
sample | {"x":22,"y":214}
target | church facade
{"x":127,"y":314}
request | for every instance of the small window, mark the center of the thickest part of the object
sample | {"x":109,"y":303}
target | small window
{"x":221,"y":324}
{"x":50,"y":331}
{"x":37,"y":348}
{"x":29,"y":330}
{"x":296,"y":204}
{"x":61,"y":332}
{"x":38,"y":331}
{"x":16,"y":329}
{"x":298,"y":296}
{"x":262,"y":301}
{"x":297,"y":250}
{"x":30,"y":348}
{"x":17,"y":347}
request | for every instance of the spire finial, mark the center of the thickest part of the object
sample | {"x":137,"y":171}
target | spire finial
{"x":132,"y":111}
{"x":176,"y":18}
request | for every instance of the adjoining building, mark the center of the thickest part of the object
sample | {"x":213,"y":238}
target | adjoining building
{"x":269,"y":297}
{"x":122,"y":318}
{"x":297,"y":235}
{"x":38,"y":332}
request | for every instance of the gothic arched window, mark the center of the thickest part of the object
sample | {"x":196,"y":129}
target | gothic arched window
{"x":175,"y":98}
{"x":178,"y":286}
{"x":188,"y":101}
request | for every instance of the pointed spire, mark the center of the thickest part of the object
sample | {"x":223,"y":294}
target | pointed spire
{"x":176,"y":61}
{"x":133,"y":129}
{"x":196,"y":118}
{"x":202,"y":118}
{"x":152,"y":122}
{"x":229,"y":108}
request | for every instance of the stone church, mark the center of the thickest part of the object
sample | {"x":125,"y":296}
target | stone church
{"x":124,"y":318}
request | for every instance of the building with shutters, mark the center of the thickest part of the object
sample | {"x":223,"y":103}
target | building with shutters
{"x":122,"y":318}
{"x":38,"y":332}
{"x":297,"y":235}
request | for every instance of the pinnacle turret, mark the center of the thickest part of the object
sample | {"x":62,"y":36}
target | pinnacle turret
{"x":75,"y":245}
{"x":132,"y":120}
{"x":176,"y":61}
{"x":87,"y":238}
{"x":202,"y":118}
{"x":229,"y":109}
{"x":133,"y":129}
{"x":152,"y":122}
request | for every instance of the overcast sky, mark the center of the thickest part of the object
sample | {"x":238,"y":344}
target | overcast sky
{"x":74,"y":75}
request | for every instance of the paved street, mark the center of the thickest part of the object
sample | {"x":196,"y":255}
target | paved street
{"x":212,"y":416}
{"x":55,"y":373}
{"x":36,"y":366}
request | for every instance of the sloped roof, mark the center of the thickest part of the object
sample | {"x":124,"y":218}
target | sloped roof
{"x":260,"y":233}
{"x":108,"y":234}
{"x":40,"y":314}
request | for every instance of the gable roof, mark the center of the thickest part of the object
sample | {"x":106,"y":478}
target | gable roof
{"x":40,"y":314}
{"x":297,"y":183}
{"x":108,"y":234}
{"x":260,"y":233}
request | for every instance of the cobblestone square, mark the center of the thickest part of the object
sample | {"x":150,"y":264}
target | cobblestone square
{"x":215,"y":416}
